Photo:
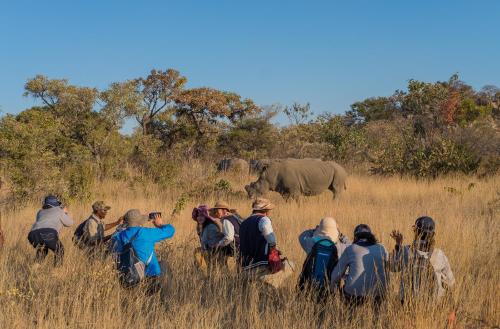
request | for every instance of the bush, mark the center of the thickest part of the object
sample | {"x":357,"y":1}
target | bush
{"x":37,"y":159}
{"x":153,"y":163}
{"x":414,"y":157}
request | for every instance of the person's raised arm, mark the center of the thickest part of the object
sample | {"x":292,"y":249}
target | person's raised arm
{"x":65,"y":219}
{"x":162,"y":231}
{"x":305,"y":240}
{"x":113,"y":224}
{"x":396,"y":261}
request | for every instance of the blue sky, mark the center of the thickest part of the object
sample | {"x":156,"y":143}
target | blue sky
{"x":328,"y":53}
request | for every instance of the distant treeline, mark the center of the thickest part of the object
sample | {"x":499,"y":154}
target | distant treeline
{"x":72,"y":139}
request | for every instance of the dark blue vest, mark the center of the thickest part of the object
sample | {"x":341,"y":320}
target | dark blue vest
{"x":252,"y":243}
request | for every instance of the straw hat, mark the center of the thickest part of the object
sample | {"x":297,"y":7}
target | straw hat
{"x":221,"y":205}
{"x":328,"y":228}
{"x":262,"y":204}
{"x":133,"y":217}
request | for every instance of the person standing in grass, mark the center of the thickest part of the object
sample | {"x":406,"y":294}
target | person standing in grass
{"x":44,"y":234}
{"x":366,"y":262}
{"x":425,"y":270}
{"x":143,"y":240}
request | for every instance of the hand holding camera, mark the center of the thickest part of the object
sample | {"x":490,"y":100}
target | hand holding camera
{"x":156,"y":218}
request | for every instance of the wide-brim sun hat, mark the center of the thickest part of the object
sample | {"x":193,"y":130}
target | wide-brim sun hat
{"x":133,"y":217}
{"x":327,"y":228}
{"x":221,"y":205}
{"x":261,"y":204}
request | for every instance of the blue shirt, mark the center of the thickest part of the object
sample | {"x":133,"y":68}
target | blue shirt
{"x":144,"y":244}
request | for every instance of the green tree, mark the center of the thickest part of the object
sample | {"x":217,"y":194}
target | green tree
{"x":252,"y":137}
{"x":36,"y":157}
{"x":371,"y":109}
{"x":154,"y":94}
{"x":82,"y":121}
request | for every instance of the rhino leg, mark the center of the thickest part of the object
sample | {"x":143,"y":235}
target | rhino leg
{"x":336,"y":190}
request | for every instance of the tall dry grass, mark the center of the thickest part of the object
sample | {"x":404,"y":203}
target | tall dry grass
{"x":85,"y":294}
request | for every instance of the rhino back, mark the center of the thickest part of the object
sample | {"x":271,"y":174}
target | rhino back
{"x":304,"y":176}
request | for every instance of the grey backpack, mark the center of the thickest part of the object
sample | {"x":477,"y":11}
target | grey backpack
{"x":131,"y":269}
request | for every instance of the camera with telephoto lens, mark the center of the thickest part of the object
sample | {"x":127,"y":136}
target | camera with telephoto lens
{"x":152,"y":215}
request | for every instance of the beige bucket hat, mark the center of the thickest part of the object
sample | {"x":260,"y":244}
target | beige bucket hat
{"x":133,"y":217}
{"x":328,"y":228}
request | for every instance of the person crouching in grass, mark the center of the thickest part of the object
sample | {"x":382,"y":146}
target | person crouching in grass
{"x":90,"y":234}
{"x":143,"y":240}
{"x":366,"y":260}
{"x":44,"y":234}
{"x":425,"y":270}
{"x":209,"y":231}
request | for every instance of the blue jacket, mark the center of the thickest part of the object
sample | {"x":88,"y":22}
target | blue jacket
{"x":144,"y":244}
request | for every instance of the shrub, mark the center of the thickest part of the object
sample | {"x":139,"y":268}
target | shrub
{"x":414,"y":157}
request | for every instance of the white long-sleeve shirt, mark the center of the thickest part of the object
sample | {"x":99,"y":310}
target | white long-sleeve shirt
{"x":266,"y":228}
{"x":228,"y":232}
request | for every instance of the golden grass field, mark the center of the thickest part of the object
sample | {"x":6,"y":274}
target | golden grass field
{"x":82,"y":294}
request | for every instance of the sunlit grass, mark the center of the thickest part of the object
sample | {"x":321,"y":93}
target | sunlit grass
{"x":85,"y":294}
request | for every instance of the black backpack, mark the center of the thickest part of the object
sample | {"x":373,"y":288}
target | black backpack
{"x":318,"y":266}
{"x":236,"y":221}
{"x":131,"y":269}
{"x":78,"y":238}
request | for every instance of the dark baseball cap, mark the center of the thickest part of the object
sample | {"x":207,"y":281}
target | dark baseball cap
{"x":425,"y":224}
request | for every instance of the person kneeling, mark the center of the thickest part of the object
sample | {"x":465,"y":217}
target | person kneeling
{"x":366,"y":260}
{"x":425,"y":269}
{"x":134,"y":247}
{"x":324,"y":246}
{"x":208,"y":256}
{"x":259,"y":256}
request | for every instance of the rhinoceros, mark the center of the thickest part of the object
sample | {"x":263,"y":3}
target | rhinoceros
{"x":233,"y":164}
{"x":256,"y":166}
{"x":294,"y":177}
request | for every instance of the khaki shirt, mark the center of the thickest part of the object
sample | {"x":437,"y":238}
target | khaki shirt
{"x":94,"y":229}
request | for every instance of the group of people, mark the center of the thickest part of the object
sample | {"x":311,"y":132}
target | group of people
{"x":130,"y":235}
{"x":357,"y":270}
